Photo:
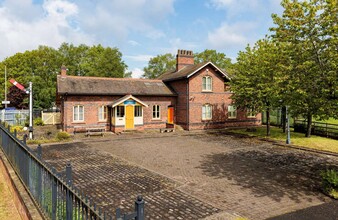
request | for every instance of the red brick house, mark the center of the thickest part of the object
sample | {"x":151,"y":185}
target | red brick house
{"x":194,"y":96}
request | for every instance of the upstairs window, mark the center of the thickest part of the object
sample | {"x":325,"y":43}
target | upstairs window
{"x":206,"y":112}
{"x":232,"y":111}
{"x":207,"y":83}
{"x":102,"y":113}
{"x":78,"y":113}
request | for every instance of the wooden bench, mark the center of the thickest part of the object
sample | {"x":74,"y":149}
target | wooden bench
{"x":95,"y":131}
{"x":162,"y":130}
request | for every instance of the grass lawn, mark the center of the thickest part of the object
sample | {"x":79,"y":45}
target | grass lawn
{"x":329,"y":121}
{"x":315,"y":142}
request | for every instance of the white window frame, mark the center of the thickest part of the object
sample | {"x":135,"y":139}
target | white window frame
{"x":206,"y":112}
{"x":207,"y":83}
{"x":232,"y":111}
{"x":250,"y":113}
{"x":119,"y":110}
{"x":76,"y":113}
{"x":156,"y":112}
{"x":102,"y":113}
{"x":138,"y":111}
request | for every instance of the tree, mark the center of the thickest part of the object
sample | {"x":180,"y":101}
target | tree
{"x":257,"y":78}
{"x":41,"y":66}
{"x":219,"y":59}
{"x":167,"y":62}
{"x":308,"y":32}
{"x":17,"y":98}
{"x":159,"y":65}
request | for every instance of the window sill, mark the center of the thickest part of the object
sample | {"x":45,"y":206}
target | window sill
{"x":206,"y":120}
{"x":233,"y":118}
{"x":251,"y":116}
{"x":207,"y":91}
{"x":79,"y":122}
{"x":156,"y":119}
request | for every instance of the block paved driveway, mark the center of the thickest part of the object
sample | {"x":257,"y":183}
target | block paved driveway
{"x":194,"y":175}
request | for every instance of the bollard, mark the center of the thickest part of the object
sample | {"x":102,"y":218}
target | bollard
{"x":69,"y":178}
{"x":139,"y":208}
{"x":24,"y":139}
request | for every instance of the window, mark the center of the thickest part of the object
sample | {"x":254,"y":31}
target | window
{"x":102,"y":113}
{"x":232,"y":111}
{"x":207,"y":83}
{"x":250,"y":113}
{"x":156,"y":111}
{"x":138,"y":111}
{"x":78,"y":112}
{"x":120,"y":111}
{"x":206,"y":112}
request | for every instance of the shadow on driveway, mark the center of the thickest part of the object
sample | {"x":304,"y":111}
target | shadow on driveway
{"x":275,"y":175}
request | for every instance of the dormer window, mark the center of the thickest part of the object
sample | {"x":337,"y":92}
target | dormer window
{"x":207,"y":83}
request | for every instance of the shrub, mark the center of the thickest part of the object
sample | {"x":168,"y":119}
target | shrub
{"x":18,"y":128}
{"x":38,"y":122}
{"x":330,"y":182}
{"x":62,"y":136}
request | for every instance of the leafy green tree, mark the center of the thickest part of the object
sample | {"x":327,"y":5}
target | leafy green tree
{"x":41,"y":66}
{"x":219,"y":59}
{"x":159,"y":65}
{"x":257,"y":78}
{"x":308,"y":32}
{"x":167,"y":62}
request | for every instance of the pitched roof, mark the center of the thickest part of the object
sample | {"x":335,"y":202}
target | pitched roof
{"x":189,"y":71}
{"x":81,"y":85}
{"x":125,"y":98}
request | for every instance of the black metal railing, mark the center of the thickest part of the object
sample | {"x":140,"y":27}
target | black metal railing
{"x":54,"y":194}
{"x":318,"y":128}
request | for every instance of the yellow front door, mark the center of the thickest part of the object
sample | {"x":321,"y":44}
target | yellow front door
{"x":129,"y":117}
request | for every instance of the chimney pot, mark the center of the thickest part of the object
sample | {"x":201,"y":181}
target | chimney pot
{"x":184,"y":58}
{"x":63,"y":70}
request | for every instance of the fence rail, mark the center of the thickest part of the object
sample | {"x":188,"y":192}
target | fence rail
{"x":54,"y":194}
{"x":318,"y":128}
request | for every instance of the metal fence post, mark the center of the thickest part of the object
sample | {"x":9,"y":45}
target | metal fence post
{"x":139,"y":208}
{"x":54,"y":195}
{"x":39,"y":175}
{"x":69,"y":201}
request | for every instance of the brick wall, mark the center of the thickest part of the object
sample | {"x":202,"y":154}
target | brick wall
{"x":196,"y":98}
{"x":92,"y":103}
{"x":180,"y":88}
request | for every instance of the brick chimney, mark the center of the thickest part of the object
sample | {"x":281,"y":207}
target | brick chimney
{"x":184,"y":58}
{"x":63,"y":70}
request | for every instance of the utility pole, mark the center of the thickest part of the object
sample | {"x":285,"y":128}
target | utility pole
{"x":30,"y":111}
{"x":5,"y":86}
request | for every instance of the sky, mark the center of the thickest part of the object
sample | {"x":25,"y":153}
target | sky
{"x":140,"y":29}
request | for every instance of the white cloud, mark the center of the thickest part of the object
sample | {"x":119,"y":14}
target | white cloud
{"x":133,"y":43}
{"x":139,"y":58}
{"x":219,"y":4}
{"x":137,"y":73}
{"x":50,"y":27}
{"x":231,"y":36}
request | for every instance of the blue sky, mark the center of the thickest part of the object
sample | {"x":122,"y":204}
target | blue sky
{"x":141,"y":29}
